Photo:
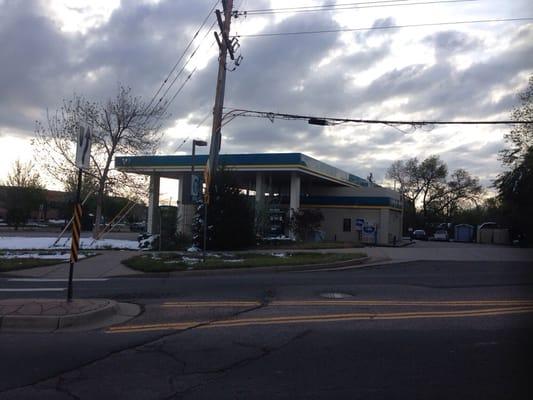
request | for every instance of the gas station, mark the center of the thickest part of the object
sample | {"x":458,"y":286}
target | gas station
{"x":279,"y":184}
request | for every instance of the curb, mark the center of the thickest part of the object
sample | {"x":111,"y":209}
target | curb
{"x":100,"y":317}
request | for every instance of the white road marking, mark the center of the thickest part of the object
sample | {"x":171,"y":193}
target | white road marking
{"x":33,"y":290}
{"x":57,"y":279}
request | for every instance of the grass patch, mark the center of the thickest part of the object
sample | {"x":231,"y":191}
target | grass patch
{"x":291,"y":245}
{"x":168,"y":262}
{"x":13,"y":264}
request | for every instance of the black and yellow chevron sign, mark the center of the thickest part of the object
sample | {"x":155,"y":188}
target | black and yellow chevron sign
{"x":76,"y":231}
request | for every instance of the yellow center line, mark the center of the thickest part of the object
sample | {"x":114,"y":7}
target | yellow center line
{"x":423,"y":303}
{"x":212,"y":304}
{"x":323,"y":318}
{"x":393,"y":316}
{"x":404,"y":303}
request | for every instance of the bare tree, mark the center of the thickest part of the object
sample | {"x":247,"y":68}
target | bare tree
{"x":24,"y":175}
{"x":24,"y":193}
{"x":121,"y":125}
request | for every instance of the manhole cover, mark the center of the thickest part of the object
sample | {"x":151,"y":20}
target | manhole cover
{"x":335,"y":295}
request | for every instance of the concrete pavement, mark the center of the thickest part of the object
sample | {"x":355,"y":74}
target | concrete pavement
{"x":50,"y":315}
{"x":436,"y":330}
{"x":109,"y":263}
{"x":450,"y":251}
{"x":104,"y":265}
{"x":442,"y":251}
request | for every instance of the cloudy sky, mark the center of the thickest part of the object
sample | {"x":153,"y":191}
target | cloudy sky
{"x":52,"y":49}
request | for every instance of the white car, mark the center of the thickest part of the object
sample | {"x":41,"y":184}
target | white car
{"x":441,"y":235}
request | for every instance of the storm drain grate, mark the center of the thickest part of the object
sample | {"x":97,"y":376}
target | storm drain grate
{"x":335,"y":295}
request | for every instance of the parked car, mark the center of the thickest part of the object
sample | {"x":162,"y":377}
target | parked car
{"x":441,"y":235}
{"x":420,"y":234}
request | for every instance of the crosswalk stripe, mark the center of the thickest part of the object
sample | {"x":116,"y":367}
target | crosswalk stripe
{"x":32,"y":289}
{"x":57,"y":279}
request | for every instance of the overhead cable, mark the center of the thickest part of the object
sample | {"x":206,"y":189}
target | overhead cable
{"x":182,"y":55}
{"x":325,"y":121}
{"x":478,"y":21}
{"x":346,"y":6}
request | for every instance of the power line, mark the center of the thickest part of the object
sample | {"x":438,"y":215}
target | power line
{"x":167,"y":103}
{"x":289,"y":9}
{"x":195,"y":129}
{"x":186,"y":63}
{"x":386,"y":27}
{"x":349,"y":6}
{"x":182,"y":55}
{"x":325,"y":121}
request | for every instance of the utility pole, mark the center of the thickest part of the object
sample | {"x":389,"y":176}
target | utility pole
{"x":225,"y":46}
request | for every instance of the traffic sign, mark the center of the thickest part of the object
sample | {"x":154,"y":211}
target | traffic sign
{"x":196,"y":187}
{"x":83,"y":147}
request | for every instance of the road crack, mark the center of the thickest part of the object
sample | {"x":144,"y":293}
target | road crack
{"x":265,"y":351}
{"x":135,"y":347}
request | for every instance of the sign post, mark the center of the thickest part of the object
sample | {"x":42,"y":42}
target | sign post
{"x":83,"y":156}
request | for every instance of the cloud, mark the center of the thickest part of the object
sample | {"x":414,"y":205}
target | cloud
{"x":449,"y":43}
{"x":375,"y":74}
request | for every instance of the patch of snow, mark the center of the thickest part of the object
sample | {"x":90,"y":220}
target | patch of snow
{"x":280,"y":254}
{"x":194,"y":249}
{"x":234,"y":261}
{"x":52,"y":256}
{"x":57,"y":221}
{"x":42,"y":243}
{"x":190,"y":260}
{"x":147,"y":241}
{"x":279,"y":237}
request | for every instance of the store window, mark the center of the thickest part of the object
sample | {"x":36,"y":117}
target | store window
{"x":346,"y":225}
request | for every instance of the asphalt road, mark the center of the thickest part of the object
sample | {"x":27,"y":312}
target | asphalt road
{"x":412,"y":330}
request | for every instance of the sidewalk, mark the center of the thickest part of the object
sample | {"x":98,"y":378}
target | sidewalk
{"x":108,"y":263}
{"x":49,"y":315}
{"x":439,"y":251}
{"x":105,"y":265}
{"x":424,"y":251}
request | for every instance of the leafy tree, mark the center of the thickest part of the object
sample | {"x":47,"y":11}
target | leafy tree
{"x":305,"y":221}
{"x":431,"y":177}
{"x":121,"y":125}
{"x":425,"y":185}
{"x":230,"y":216}
{"x":460,"y":192}
{"x":490,"y":210}
{"x":515,"y":185}
{"x":416,"y":180}
{"x":515,"y":189}
{"x":24,"y":193}
{"x":520,"y":139}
